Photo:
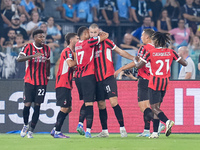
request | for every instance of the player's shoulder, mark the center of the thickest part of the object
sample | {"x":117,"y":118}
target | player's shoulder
{"x":26,"y":45}
{"x":45,"y":45}
{"x":92,"y":38}
{"x":66,"y":49}
{"x":108,"y":41}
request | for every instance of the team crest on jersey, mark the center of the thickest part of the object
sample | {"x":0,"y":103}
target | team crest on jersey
{"x":70,"y":55}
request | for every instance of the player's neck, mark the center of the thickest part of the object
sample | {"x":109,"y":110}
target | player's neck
{"x":37,"y":45}
{"x":72,"y":47}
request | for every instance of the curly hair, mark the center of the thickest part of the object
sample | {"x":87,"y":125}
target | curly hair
{"x":161,"y":39}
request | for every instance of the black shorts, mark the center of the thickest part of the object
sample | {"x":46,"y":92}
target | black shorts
{"x":34,"y":93}
{"x":63,"y":96}
{"x":78,"y":85}
{"x":142,"y":89}
{"x":87,"y":85}
{"x":155,"y":96}
{"x":106,"y":89}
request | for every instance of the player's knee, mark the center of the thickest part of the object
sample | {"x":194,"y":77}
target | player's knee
{"x":37,"y":104}
{"x":113,"y":101}
{"x":69,"y":109}
{"x":65,"y":110}
{"x":101,"y":104}
{"x":155,"y":109}
{"x":88,"y":104}
{"x":27,"y":104}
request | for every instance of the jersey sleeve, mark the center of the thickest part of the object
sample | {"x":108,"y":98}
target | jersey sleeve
{"x":68,"y":55}
{"x":142,"y":51}
{"x":175,"y":56}
{"x":94,"y":41}
{"x":110,"y":44}
{"x":25,"y":50}
{"x":146,"y":57}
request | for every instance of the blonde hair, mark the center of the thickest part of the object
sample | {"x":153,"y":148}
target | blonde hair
{"x":94,"y":25}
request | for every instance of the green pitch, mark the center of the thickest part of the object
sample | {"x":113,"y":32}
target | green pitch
{"x":114,"y":142}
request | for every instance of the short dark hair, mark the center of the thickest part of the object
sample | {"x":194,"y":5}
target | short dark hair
{"x":37,"y":32}
{"x":68,"y":37}
{"x":149,"y":32}
{"x":81,"y":30}
{"x":146,"y":17}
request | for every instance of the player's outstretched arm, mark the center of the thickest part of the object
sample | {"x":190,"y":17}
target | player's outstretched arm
{"x":128,"y":66}
{"x":182,"y":62}
{"x":22,"y":57}
{"x":123,"y":53}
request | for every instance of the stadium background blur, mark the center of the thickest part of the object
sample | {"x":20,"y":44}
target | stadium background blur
{"x":59,"y":17}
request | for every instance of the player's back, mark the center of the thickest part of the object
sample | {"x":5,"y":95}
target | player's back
{"x":85,"y":56}
{"x":160,"y":62}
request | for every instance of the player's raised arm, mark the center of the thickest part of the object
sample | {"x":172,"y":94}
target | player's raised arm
{"x":102,"y":36}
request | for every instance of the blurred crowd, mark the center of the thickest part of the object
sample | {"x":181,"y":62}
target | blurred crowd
{"x":19,"y":18}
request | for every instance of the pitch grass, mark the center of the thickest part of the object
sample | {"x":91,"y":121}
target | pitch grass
{"x":114,"y":142}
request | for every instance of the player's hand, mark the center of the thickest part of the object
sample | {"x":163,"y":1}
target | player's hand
{"x":38,"y":54}
{"x":137,"y":58}
{"x":130,"y":75}
{"x":116,"y":73}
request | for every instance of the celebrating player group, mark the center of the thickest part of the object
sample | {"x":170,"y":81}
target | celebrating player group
{"x":88,"y":57}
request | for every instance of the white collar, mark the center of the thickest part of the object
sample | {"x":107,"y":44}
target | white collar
{"x":36,"y":46}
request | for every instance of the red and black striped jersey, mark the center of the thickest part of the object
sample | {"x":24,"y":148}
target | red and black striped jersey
{"x":65,"y":73}
{"x":36,"y":73}
{"x":85,"y":56}
{"x":144,"y":71}
{"x":103,"y":60}
{"x":160,"y":62}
